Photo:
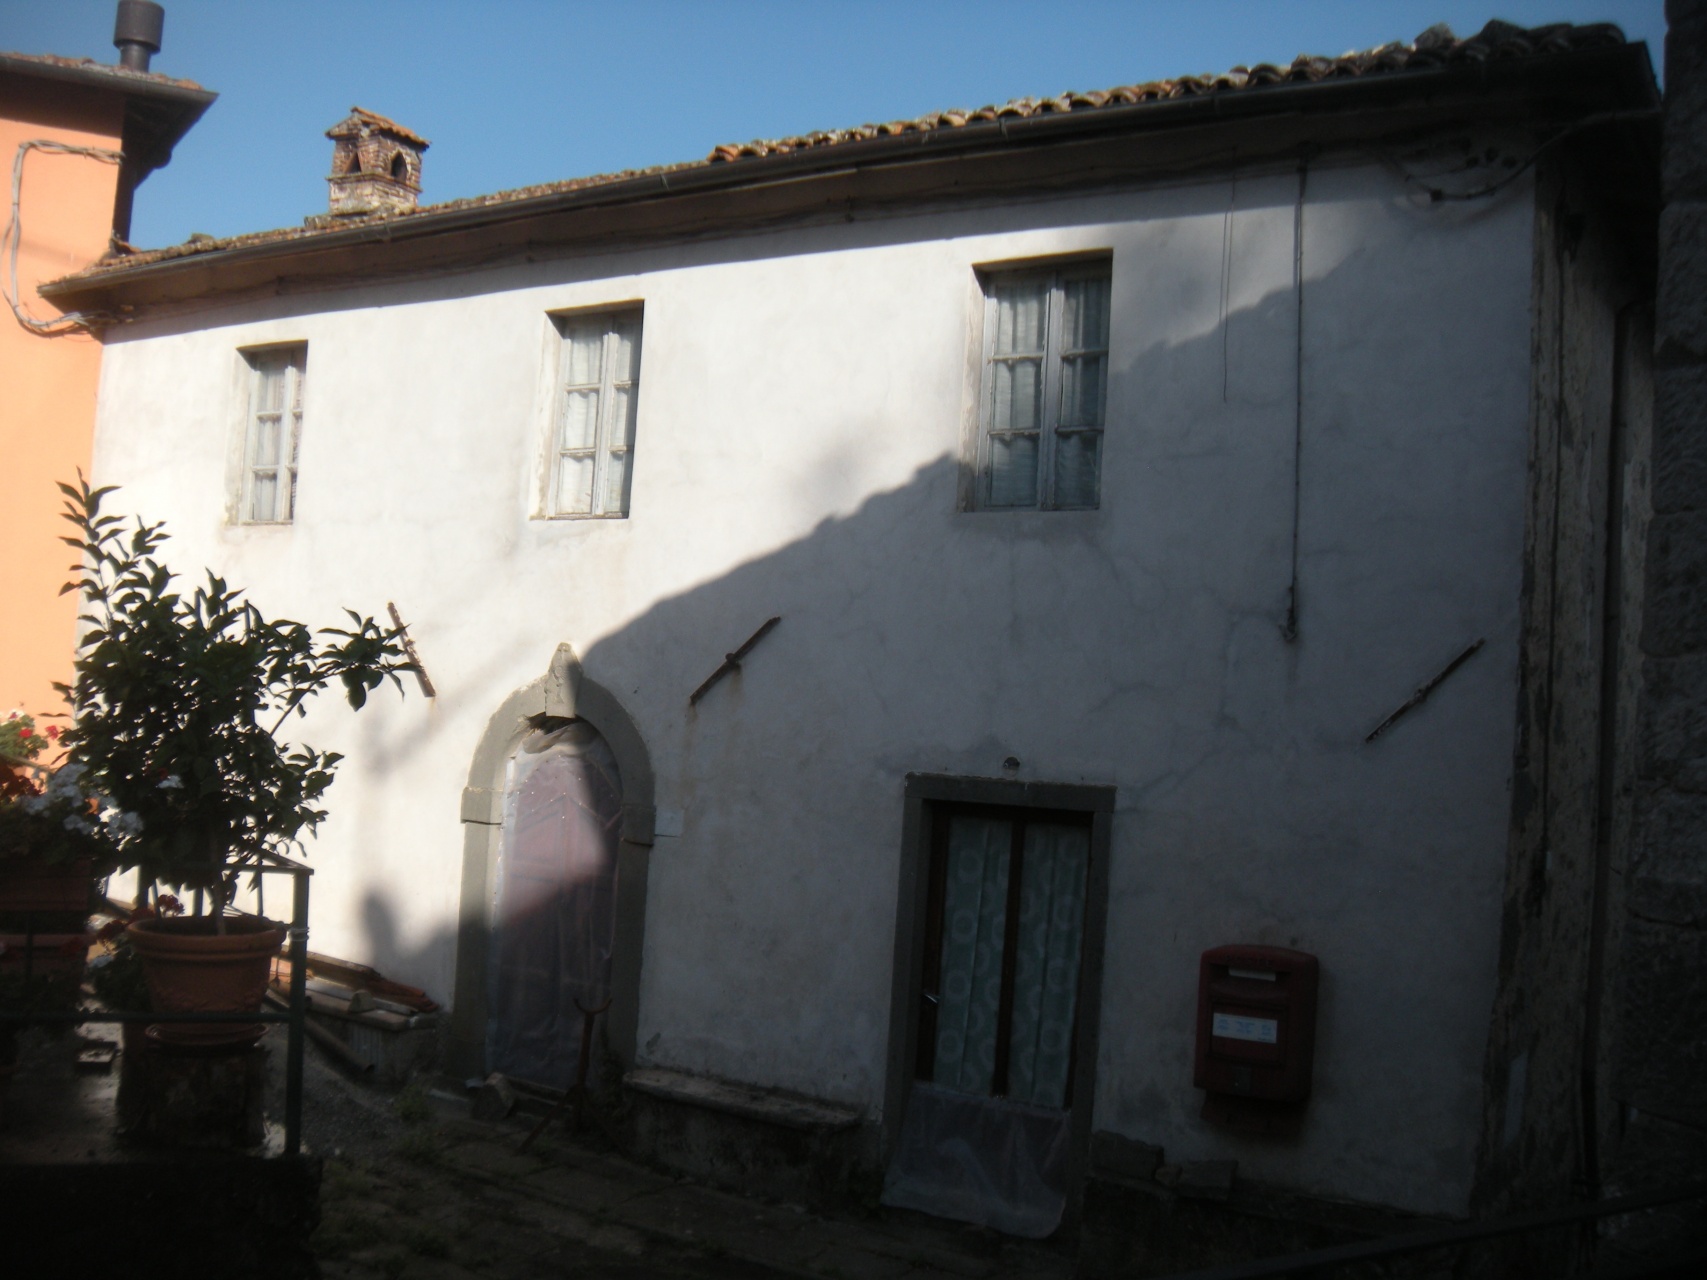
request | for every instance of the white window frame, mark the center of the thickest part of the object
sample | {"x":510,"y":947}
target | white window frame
{"x":602,"y":447}
{"x":289,"y":362}
{"x":1050,"y":428}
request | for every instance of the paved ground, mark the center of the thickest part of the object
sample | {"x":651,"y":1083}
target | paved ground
{"x":415,"y":1188}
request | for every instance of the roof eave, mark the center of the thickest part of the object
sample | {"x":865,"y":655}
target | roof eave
{"x":158,"y":112}
{"x":1562,"y":85}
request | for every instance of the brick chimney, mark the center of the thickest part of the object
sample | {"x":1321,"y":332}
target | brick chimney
{"x":376,"y":168}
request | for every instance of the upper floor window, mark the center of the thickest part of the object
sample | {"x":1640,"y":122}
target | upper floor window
{"x":274,"y":434}
{"x":1044,"y":388}
{"x":598,"y":392}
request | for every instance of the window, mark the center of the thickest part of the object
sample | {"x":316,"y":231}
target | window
{"x":598,"y":391}
{"x":1044,"y":388}
{"x":274,"y":434}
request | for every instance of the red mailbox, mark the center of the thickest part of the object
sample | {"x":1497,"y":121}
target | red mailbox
{"x":1256,"y":1035}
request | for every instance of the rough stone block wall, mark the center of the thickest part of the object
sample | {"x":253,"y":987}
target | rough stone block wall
{"x":1658,"y":1058}
{"x":1587,"y":288}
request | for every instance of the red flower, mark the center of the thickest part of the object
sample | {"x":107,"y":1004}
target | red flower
{"x":170,"y":906}
{"x":26,"y":733}
{"x":53,"y":731}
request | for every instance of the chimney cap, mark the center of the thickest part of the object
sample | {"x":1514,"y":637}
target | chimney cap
{"x":361,"y":121}
{"x":137,"y":31}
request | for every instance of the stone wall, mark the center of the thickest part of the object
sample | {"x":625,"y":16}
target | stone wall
{"x":1658,"y":1056}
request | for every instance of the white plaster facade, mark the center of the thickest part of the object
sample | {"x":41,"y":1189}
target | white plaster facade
{"x":805,"y":398}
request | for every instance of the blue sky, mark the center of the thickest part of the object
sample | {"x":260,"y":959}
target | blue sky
{"x":514,"y":92}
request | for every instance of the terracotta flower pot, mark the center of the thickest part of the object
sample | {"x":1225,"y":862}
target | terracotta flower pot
{"x":190,"y":968}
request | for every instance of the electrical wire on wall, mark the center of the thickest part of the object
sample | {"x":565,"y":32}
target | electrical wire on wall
{"x":1440,"y":195}
{"x":1227,"y":274}
{"x":73,"y":320}
{"x":1289,"y":624}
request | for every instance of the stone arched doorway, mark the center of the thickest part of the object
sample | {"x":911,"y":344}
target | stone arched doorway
{"x":562,"y":699}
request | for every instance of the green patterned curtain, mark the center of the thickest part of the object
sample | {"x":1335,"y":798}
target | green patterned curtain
{"x":1046,"y":957}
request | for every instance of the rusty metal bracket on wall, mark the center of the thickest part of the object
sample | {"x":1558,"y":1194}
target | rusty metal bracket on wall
{"x":409,"y":651}
{"x":732,"y":661}
{"x":1423,"y":690}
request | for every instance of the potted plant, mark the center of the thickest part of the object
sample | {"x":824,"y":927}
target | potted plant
{"x":178,"y":703}
{"x":51,"y":835}
{"x":52,"y":841}
{"x":116,"y":978}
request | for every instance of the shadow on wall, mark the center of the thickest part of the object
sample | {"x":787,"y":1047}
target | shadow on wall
{"x":919,"y":638}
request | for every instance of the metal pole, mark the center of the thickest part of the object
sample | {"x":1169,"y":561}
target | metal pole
{"x":298,"y":1001}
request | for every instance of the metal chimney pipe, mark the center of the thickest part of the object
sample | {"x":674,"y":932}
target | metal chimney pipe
{"x":136,"y":34}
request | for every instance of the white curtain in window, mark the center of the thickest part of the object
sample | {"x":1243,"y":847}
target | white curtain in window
{"x":974,"y":920}
{"x":1046,"y":962}
{"x":578,"y":439}
{"x":1016,"y":415}
{"x":624,"y":373}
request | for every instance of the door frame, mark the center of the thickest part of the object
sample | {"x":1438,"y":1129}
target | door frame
{"x":924,"y":793}
{"x":563,"y":691}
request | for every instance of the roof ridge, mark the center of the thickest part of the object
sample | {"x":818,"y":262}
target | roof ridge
{"x":1431,"y":49}
{"x":1438,"y":44}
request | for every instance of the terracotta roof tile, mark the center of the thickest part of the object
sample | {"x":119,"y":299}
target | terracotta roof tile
{"x":360,"y":119}
{"x":1437,"y":46}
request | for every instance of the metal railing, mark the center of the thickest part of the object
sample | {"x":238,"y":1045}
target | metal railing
{"x":293,"y":1016}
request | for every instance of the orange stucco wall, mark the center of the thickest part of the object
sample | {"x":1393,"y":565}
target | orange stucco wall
{"x":47,"y":385}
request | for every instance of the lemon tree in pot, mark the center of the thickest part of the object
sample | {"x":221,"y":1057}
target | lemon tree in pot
{"x":180,"y":702}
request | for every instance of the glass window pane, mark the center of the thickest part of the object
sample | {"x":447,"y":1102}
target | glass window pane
{"x":616,"y":484}
{"x":1085,"y":315}
{"x":1082,"y":381}
{"x":270,"y":396}
{"x":1077,"y":462}
{"x":623,"y":404}
{"x":574,"y":485}
{"x":266,"y":450}
{"x":584,"y":343}
{"x":1013,"y":471}
{"x":1019,"y":395}
{"x":625,"y":348}
{"x":1022,"y":311}
{"x":580,"y":419}
{"x":264,"y":489}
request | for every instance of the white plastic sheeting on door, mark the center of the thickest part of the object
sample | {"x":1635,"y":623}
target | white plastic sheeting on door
{"x":554,"y":917}
{"x":985,"y":1160}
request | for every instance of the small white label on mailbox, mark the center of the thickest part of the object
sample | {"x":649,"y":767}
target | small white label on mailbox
{"x":1233,"y":1026}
